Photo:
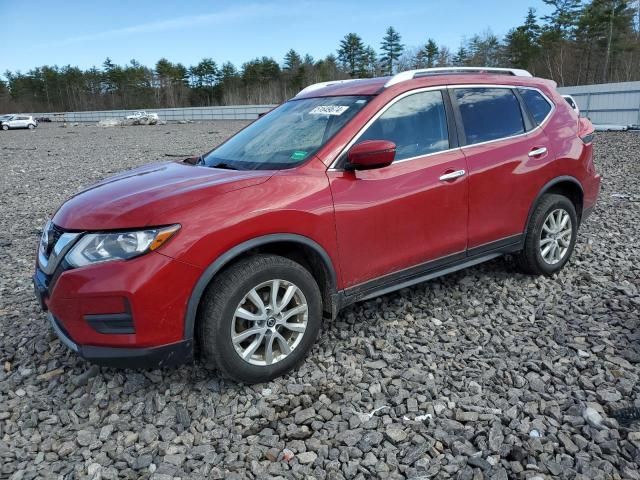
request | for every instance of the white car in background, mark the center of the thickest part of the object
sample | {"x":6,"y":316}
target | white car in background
{"x":18,"y":121}
{"x":142,"y":114}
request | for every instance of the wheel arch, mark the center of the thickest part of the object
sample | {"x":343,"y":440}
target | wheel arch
{"x":319,"y":263}
{"x":565,"y":185}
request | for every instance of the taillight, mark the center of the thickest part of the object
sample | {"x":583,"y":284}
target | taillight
{"x":585,"y":130}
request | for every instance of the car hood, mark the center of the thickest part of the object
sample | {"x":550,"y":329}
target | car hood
{"x":152,"y":195}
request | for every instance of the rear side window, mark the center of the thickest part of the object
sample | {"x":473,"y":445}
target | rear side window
{"x":489,"y":113}
{"x":537,"y":105}
{"x":417,"y":124}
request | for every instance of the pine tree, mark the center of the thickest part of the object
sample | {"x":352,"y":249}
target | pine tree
{"x":370,"y":62}
{"x":228,"y":71}
{"x":292,"y":60}
{"x":294,"y":70}
{"x":521,"y":43}
{"x":428,"y":55}
{"x":204,"y":78}
{"x":461,"y":57}
{"x":351,"y":55}
{"x":564,"y":17}
{"x":328,"y":69}
{"x":391,"y":50}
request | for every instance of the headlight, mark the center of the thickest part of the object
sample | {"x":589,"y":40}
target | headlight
{"x":102,"y":247}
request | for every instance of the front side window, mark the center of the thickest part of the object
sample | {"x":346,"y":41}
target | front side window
{"x":286,"y":136}
{"x":489,"y":113}
{"x":417,"y":124}
{"x":537,"y":105}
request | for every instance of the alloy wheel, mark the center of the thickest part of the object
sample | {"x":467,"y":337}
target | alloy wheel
{"x":555,"y":237}
{"x":269,"y":322}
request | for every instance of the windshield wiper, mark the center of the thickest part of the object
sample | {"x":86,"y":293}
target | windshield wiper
{"x":224,"y":166}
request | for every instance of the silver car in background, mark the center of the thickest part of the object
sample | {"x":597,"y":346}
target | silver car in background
{"x":18,"y":121}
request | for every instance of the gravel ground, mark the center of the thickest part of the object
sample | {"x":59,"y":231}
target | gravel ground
{"x":482,"y":374}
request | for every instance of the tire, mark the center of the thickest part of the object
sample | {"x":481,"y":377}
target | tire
{"x":230,"y":294}
{"x":546,"y":250}
{"x":31,"y":126}
{"x":5,"y":127}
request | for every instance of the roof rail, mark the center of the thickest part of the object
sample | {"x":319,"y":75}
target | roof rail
{"x":411,"y":74}
{"x":317,"y":86}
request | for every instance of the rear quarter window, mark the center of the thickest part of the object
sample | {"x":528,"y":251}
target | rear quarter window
{"x":538,"y":106}
{"x":489,"y":113}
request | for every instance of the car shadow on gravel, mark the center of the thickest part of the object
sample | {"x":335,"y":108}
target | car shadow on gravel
{"x":492,"y":271}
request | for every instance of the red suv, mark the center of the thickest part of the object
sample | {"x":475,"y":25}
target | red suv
{"x":351,"y":189}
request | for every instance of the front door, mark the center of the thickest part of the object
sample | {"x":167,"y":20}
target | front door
{"x":411,"y":212}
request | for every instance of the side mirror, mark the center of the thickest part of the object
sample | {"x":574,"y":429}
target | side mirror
{"x":371,"y":154}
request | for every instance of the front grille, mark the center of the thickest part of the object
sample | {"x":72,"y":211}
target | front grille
{"x":54,"y":245}
{"x":55,"y":233}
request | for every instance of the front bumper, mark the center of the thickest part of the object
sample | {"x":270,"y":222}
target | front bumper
{"x":127,"y":314}
{"x":151,"y":357}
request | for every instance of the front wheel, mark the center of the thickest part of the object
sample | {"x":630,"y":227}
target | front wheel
{"x":259,"y":318}
{"x":550,"y":237}
{"x":5,"y":127}
{"x":31,"y":126}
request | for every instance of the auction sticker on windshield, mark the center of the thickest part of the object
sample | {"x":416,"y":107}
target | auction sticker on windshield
{"x":329,"y":110}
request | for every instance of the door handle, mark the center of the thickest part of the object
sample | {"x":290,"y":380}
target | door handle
{"x":536,"y":152}
{"x":452,"y":175}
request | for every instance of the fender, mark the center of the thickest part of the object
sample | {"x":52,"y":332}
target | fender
{"x":229,"y":255}
{"x":545,"y":188}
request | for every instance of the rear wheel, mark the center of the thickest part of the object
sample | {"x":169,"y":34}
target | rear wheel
{"x":31,"y":126}
{"x":550,"y":237}
{"x":259,"y":318}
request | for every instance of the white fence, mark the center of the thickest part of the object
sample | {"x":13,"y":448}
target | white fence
{"x":611,"y":103}
{"x":239,"y":112}
{"x":608,"y":103}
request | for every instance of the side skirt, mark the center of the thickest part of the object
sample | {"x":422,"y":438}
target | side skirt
{"x":429,"y":270}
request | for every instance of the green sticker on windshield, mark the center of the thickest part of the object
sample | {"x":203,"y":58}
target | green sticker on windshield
{"x":299,"y":155}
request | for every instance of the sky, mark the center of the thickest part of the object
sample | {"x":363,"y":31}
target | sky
{"x":83,"y":33}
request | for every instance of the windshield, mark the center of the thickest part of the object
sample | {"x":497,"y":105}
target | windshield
{"x":286,"y":136}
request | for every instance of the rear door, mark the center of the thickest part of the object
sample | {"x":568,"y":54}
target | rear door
{"x":506,"y":153}
{"x":21,"y":121}
{"x":414,"y":210}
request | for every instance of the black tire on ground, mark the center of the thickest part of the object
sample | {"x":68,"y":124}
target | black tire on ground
{"x":31,"y":126}
{"x":530,"y":259}
{"x":222,"y":298}
{"x":5,"y":127}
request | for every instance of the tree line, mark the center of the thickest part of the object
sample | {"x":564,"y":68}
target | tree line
{"x":577,"y":43}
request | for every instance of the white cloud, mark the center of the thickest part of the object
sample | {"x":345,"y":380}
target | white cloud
{"x":189,"y":21}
